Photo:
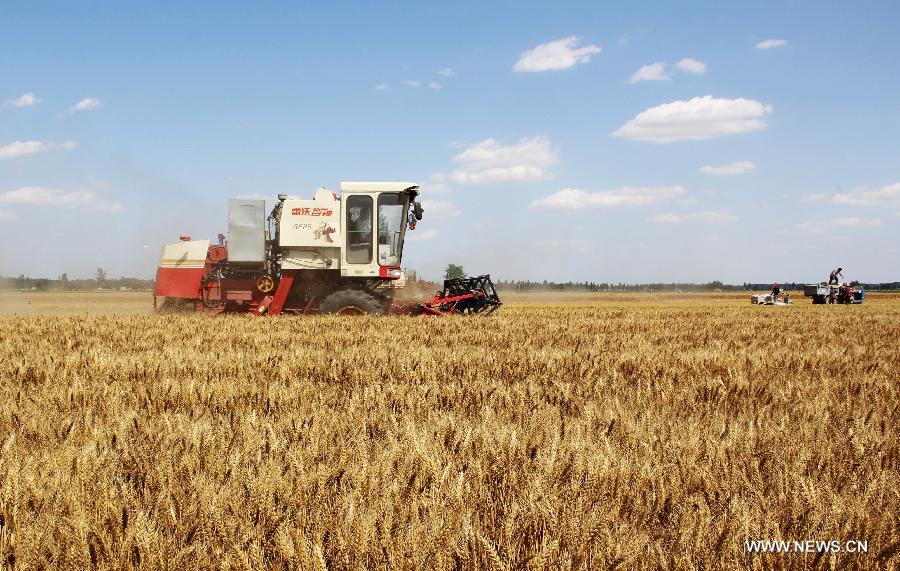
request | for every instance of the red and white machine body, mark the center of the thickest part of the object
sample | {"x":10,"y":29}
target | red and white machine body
{"x":300,"y":254}
{"x":329,"y":254}
{"x":181,"y":269}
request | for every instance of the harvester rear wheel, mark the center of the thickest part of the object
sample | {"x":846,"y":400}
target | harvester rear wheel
{"x":351,"y":302}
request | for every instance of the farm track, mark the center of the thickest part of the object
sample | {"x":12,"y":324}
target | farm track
{"x":588,"y":434}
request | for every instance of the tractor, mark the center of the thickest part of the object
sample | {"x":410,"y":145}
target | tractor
{"x":328,"y":255}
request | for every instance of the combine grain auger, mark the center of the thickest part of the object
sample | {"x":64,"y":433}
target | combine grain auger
{"x":331,"y":254}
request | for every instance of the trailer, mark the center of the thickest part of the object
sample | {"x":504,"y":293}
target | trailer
{"x":823,"y":293}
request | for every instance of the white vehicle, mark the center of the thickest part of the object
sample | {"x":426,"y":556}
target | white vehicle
{"x":769,"y":299}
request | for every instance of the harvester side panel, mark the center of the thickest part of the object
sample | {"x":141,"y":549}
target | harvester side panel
{"x":311,"y":223}
{"x":246,"y":230}
{"x":311,"y":259}
{"x":181,"y":269}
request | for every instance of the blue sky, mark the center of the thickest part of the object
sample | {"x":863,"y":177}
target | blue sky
{"x":617,"y":142}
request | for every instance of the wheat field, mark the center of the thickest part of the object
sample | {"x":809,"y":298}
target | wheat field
{"x":589,"y":432}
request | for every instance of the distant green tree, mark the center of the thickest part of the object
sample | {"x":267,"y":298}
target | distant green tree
{"x":64,"y":280}
{"x":454,"y":271}
{"x":100,"y":276}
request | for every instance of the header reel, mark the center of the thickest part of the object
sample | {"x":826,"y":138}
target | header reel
{"x":465,"y":296}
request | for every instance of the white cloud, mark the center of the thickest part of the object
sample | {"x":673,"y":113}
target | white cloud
{"x":85,"y":104}
{"x":434,"y":85}
{"x":650,"y":72}
{"x":439,"y":209}
{"x":711,"y":216}
{"x":436,"y":184}
{"x":577,"y":199}
{"x":421,"y":235}
{"x":769,"y":44}
{"x":739,"y":167}
{"x":885,"y":196}
{"x":665,"y":219}
{"x":24,"y":148}
{"x":7,"y":215}
{"x":41,"y":196}
{"x":691,"y":65}
{"x":558,"y":54}
{"x":411,"y":82}
{"x":697,"y":119}
{"x":839,"y":223}
{"x":26,"y":100}
{"x":705,"y":216}
{"x":383,"y":87}
{"x":447,"y":72}
{"x":814,"y":197}
{"x":490,"y":161}
{"x":45,"y":196}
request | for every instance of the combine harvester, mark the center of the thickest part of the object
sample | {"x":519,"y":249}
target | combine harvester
{"x":326,"y":255}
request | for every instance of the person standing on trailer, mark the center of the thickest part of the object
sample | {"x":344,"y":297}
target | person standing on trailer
{"x":776,"y":291}
{"x":833,"y":277}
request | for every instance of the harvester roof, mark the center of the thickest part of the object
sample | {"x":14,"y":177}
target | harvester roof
{"x":377,"y":186}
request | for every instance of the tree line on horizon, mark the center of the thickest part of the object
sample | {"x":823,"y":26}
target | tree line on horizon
{"x":63,"y":282}
{"x":457,"y":271}
{"x":526,"y":286}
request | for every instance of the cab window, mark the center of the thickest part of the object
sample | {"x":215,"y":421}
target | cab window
{"x":359,"y":230}
{"x":390,"y":229}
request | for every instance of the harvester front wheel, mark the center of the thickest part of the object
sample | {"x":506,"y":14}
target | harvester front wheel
{"x":351,"y":302}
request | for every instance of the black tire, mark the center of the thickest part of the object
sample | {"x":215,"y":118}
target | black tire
{"x":351,"y":302}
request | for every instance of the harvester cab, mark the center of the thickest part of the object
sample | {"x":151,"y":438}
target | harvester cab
{"x":329,"y":254}
{"x":360,"y":234}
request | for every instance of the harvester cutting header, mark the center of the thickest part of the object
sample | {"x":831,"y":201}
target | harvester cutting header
{"x":326,"y":255}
